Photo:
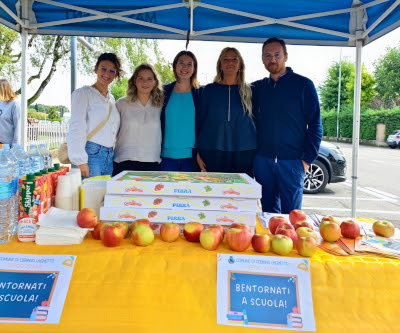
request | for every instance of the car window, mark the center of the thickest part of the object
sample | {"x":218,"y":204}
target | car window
{"x":395,"y":132}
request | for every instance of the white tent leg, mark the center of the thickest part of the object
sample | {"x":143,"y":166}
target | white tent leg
{"x":24,"y":74}
{"x":356,"y":126}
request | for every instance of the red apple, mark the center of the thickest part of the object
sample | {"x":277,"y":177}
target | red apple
{"x":297,"y":215}
{"x":87,"y":218}
{"x":330,"y":219}
{"x":240,"y":226}
{"x":287,"y":230}
{"x":220,"y":228}
{"x":350,"y":229}
{"x":192,"y":231}
{"x":306,"y":246}
{"x":261,"y":243}
{"x":274,"y":222}
{"x":330,"y":231}
{"x":306,"y":232}
{"x":139,"y":222}
{"x":281,"y":244}
{"x":96,"y":230}
{"x":303,"y":224}
{"x":112,"y":235}
{"x":383,"y":228}
{"x":238,"y":239}
{"x":142,"y":235}
{"x":170,"y":232}
{"x":210,"y":238}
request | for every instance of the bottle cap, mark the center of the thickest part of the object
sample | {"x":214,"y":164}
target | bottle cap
{"x":56,"y":166}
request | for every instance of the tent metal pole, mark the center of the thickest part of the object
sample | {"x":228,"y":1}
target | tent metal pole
{"x":356,"y":125}
{"x":24,"y":75}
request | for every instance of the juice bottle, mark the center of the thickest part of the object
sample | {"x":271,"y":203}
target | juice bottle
{"x":28,"y":210}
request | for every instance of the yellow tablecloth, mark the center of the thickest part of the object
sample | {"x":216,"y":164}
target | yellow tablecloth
{"x":172,"y":288}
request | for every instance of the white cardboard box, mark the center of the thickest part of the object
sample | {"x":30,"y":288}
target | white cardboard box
{"x":200,"y":184}
{"x":180,"y":203}
{"x":177,"y":216}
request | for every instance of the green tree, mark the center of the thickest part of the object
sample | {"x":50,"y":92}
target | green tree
{"x":387,"y":76}
{"x":47,"y":54}
{"x":329,"y":88}
{"x":118,"y":88}
{"x":53,"y":113}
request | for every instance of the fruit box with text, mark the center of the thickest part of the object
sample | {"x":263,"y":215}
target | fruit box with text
{"x":181,"y":203}
{"x":176,"y":216}
{"x":198,"y":184}
{"x":156,"y":227}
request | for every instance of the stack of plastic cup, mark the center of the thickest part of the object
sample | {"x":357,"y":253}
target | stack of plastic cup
{"x":63,"y":198}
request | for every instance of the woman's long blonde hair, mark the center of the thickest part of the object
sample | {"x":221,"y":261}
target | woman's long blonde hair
{"x":6,"y":92}
{"x":244,"y":88}
{"x":156,"y":95}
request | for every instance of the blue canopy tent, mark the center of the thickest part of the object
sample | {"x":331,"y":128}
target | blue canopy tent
{"x":304,"y":22}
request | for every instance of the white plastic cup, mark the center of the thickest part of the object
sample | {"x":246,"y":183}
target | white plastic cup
{"x":76,"y":182}
{"x":63,"y":198}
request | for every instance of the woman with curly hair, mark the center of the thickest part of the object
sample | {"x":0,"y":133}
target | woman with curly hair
{"x":226,"y":138}
{"x":138,"y":144}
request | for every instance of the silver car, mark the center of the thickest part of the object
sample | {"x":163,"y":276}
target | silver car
{"x":393,"y":140}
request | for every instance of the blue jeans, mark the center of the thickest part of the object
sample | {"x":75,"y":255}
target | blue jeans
{"x":100,"y":159}
{"x":282,"y":183}
{"x":178,"y":165}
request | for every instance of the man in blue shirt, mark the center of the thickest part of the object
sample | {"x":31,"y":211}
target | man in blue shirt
{"x":289,"y":130}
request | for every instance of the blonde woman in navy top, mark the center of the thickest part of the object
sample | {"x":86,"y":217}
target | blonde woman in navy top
{"x":226,"y":132}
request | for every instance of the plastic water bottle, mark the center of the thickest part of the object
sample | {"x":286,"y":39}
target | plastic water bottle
{"x":14,"y":186}
{"x":36,"y":159}
{"x":23,"y":162}
{"x":5,"y":199}
{"x":47,"y":157}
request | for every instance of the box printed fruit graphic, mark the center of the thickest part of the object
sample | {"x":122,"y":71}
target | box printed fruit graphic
{"x":181,"y":203}
{"x":231,"y":185}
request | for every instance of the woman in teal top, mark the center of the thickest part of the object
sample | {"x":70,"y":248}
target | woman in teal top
{"x":182,"y":98}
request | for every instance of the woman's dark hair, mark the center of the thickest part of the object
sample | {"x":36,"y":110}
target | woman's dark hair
{"x":193,"y":79}
{"x":114,"y":59}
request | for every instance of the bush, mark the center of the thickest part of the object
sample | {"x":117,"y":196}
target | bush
{"x":369,"y":118}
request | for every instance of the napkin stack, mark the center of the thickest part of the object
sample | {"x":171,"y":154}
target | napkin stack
{"x":59,"y":227}
{"x":181,"y":197}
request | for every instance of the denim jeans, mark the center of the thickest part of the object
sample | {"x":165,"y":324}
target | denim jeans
{"x":100,"y":159}
{"x":178,"y":165}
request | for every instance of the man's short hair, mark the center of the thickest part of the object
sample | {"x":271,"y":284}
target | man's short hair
{"x":276,"y":40}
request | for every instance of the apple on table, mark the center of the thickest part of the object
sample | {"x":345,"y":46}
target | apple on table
{"x":192,"y":231}
{"x":139,"y":222}
{"x":330,"y":231}
{"x":306,"y":246}
{"x":111,"y":235}
{"x":274,"y":223}
{"x":170,"y":232}
{"x":303,"y":224}
{"x":350,"y":229}
{"x":87,"y":218}
{"x":281,"y":244}
{"x":96,"y":230}
{"x":210,"y":238}
{"x":287,"y":230}
{"x":220,"y":228}
{"x":383,"y":228}
{"x":306,"y":232}
{"x":238,"y":239}
{"x":261,"y":243}
{"x":297,"y":215}
{"x":330,"y":218}
{"x":240,"y":226}
{"x":142,"y":235}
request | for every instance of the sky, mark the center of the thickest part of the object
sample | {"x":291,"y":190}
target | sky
{"x":310,"y":61}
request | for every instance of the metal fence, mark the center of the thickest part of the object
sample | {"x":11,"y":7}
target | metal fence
{"x":51,"y":134}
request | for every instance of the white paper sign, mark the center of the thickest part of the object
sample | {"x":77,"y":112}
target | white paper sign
{"x":33,"y":288}
{"x":265,"y":292}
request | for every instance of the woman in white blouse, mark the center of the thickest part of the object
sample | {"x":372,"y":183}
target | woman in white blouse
{"x":90,"y":106}
{"x":138,"y":144}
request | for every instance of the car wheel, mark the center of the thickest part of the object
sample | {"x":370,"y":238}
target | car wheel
{"x":393,"y":147}
{"x":316,"y":178}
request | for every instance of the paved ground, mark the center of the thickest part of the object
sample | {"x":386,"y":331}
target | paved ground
{"x":378,"y":194}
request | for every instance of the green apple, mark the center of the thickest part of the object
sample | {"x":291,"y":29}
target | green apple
{"x":281,"y":244}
